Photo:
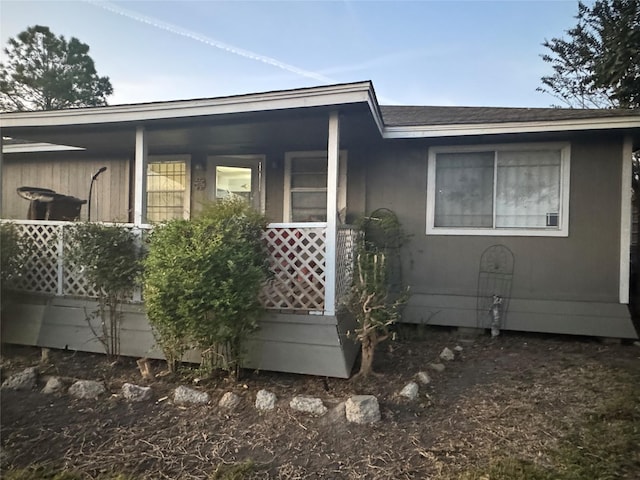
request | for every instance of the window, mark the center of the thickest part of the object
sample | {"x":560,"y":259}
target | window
{"x":237,"y":176}
{"x":168,"y":193}
{"x":306,"y":186}
{"x":233,"y":182}
{"x":499,"y":190}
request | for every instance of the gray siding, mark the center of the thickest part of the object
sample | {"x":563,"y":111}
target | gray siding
{"x":274,"y":179}
{"x":68,"y":174}
{"x":579,"y":272}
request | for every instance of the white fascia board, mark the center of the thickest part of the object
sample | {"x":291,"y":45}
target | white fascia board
{"x":429,"y":131}
{"x":626,"y":219}
{"x":374,"y":108}
{"x":286,"y":99}
{"x":37,"y":147}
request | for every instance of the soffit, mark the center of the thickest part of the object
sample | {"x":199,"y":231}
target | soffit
{"x":224,"y":133}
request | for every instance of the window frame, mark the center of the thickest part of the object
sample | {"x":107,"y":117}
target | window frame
{"x":562,"y":230}
{"x":289,"y":157}
{"x":186,"y":212}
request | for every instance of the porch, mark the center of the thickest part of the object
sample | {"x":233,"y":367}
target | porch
{"x":300,"y":331}
{"x":285,"y":152}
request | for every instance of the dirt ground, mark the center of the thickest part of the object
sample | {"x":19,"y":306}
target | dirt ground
{"x":516,"y":396}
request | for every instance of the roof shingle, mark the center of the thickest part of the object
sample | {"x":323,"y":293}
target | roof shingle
{"x":399,"y":115}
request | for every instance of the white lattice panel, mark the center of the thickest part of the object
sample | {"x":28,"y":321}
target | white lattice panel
{"x":346,"y":243}
{"x":74,"y":282}
{"x":40,"y":273}
{"x":297,"y":261}
{"x":49,"y":268}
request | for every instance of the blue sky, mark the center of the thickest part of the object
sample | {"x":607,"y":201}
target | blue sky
{"x":476,"y":53}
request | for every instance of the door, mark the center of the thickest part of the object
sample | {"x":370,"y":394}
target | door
{"x":238,"y":176}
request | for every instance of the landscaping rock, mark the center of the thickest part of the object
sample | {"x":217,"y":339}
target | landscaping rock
{"x":306,"y":404}
{"x":229,"y":401}
{"x":86,"y":389}
{"x":458,"y":348}
{"x":447,"y":354}
{"x":187,"y":396}
{"x":25,"y":380}
{"x":424,"y":378}
{"x":437,"y":367}
{"x":410,"y":391}
{"x":266,"y":400}
{"x":362,"y":409}
{"x":53,"y":385}
{"x":136,"y":393}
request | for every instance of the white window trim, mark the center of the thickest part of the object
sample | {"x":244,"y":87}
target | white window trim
{"x":565,"y":174}
{"x":342,"y":181}
{"x":187,"y":191}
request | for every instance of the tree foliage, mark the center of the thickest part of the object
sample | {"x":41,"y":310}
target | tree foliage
{"x":111,"y":260}
{"x":46,"y":72}
{"x":202,"y":282}
{"x":598,"y":64}
{"x":14,"y":251}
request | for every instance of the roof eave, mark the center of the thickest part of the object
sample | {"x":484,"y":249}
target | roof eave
{"x":461,"y":130}
{"x":361,"y":92}
{"x":32,"y":147}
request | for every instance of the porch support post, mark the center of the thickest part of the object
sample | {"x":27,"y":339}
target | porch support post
{"x":1,"y":167}
{"x":333,"y":155}
{"x":140,"y":180}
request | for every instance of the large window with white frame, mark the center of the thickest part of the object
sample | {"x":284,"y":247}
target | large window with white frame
{"x":305,"y":186}
{"x":168,"y":187}
{"x":499,"y":190}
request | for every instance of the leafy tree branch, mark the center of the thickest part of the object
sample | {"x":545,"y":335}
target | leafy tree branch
{"x":597,"y":65}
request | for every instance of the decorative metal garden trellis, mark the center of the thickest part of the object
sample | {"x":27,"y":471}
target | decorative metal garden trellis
{"x":494,"y":287}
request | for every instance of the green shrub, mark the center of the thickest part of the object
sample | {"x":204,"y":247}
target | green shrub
{"x":13,"y":249}
{"x":202,"y":282}
{"x":110,"y":257}
{"x":167,"y":278}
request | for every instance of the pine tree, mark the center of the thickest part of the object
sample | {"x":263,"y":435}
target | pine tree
{"x":46,"y":72}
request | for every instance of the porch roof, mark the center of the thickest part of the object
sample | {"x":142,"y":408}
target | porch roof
{"x":241,"y":122}
{"x":265,"y":116}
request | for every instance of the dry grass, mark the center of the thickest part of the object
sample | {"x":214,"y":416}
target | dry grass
{"x":519,"y":408}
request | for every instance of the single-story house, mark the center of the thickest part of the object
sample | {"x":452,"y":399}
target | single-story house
{"x":533,"y":205}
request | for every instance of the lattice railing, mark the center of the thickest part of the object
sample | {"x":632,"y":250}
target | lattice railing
{"x":297,"y":262}
{"x":73,"y":281}
{"x":346,"y":243}
{"x":41,"y":273}
{"x":48,"y":268}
